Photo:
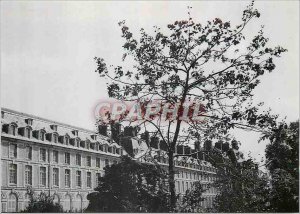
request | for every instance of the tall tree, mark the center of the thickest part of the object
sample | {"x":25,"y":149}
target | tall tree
{"x":282,"y":156}
{"x":212,"y":63}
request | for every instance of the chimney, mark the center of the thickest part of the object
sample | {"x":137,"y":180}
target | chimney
{"x":180,"y":149}
{"x":29,"y":121}
{"x":115,"y":132}
{"x":219,"y":145}
{"x":102,"y":129}
{"x":163,"y":145}
{"x":208,"y":145}
{"x":53,"y":127}
{"x":187,"y":150}
{"x":154,"y":142}
{"x":75,"y":132}
{"x":197,"y":145}
{"x":226,"y":147}
{"x":145,"y":136}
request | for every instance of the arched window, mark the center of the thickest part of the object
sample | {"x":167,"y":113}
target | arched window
{"x":12,"y":203}
{"x":78,"y":203}
{"x":42,"y":135}
{"x":67,"y":139}
{"x":27,"y":132}
{"x":13,"y":129}
{"x":67,"y":204}
{"x":55,"y":137}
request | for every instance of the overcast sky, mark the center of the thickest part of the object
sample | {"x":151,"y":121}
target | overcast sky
{"x":47,"y":51}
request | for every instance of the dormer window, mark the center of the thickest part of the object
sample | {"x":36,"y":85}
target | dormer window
{"x":72,"y":142}
{"x":67,"y":140}
{"x":53,"y":127}
{"x":27,"y":132}
{"x":82,"y":144}
{"x":23,"y":131}
{"x":75,"y":132}
{"x":92,"y":146}
{"x":42,"y":135}
{"x":55,"y":138}
{"x":13,"y":129}
{"x":29,"y":121}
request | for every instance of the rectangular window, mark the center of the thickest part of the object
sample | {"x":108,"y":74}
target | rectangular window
{"x":106,"y":162}
{"x":28,"y":175}
{"x":27,"y":132}
{"x":67,"y":140}
{"x":78,"y":178}
{"x":98,"y":162}
{"x":67,"y":158}
{"x":67,"y":178}
{"x":13,"y":130}
{"x":55,"y":138}
{"x":42,"y":154}
{"x":78,"y":159}
{"x":88,"y":161}
{"x":55,"y":156}
{"x":89,"y":179}
{"x":13,"y":173}
{"x":98,"y":175}
{"x":13,"y":150}
{"x":43,"y":176}
{"x":29,"y":152}
{"x":55,"y":177}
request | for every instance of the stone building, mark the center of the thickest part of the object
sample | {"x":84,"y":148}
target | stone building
{"x":66,"y":162}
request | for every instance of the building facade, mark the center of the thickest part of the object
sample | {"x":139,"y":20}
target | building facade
{"x":66,"y":162}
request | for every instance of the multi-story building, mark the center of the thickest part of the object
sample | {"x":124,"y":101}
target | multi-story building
{"x":66,"y":162}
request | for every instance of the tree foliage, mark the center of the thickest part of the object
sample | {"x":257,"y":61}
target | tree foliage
{"x":43,"y":203}
{"x":130,"y":186}
{"x":192,"y":198}
{"x":242,"y":188}
{"x":213,"y":63}
{"x":282,"y":155}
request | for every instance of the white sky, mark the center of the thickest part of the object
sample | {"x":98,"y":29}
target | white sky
{"x":47,"y":51}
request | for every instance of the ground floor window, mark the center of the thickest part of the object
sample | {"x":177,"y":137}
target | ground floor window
{"x":78,"y":203}
{"x":67,"y":204}
{"x":12,"y":203}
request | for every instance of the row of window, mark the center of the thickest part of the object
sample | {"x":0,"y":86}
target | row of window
{"x":195,"y":176}
{"x":54,"y":137}
{"x":195,"y":166}
{"x":67,"y":156}
{"x":55,"y":176}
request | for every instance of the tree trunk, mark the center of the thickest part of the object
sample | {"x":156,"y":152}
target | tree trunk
{"x":172,"y":181}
